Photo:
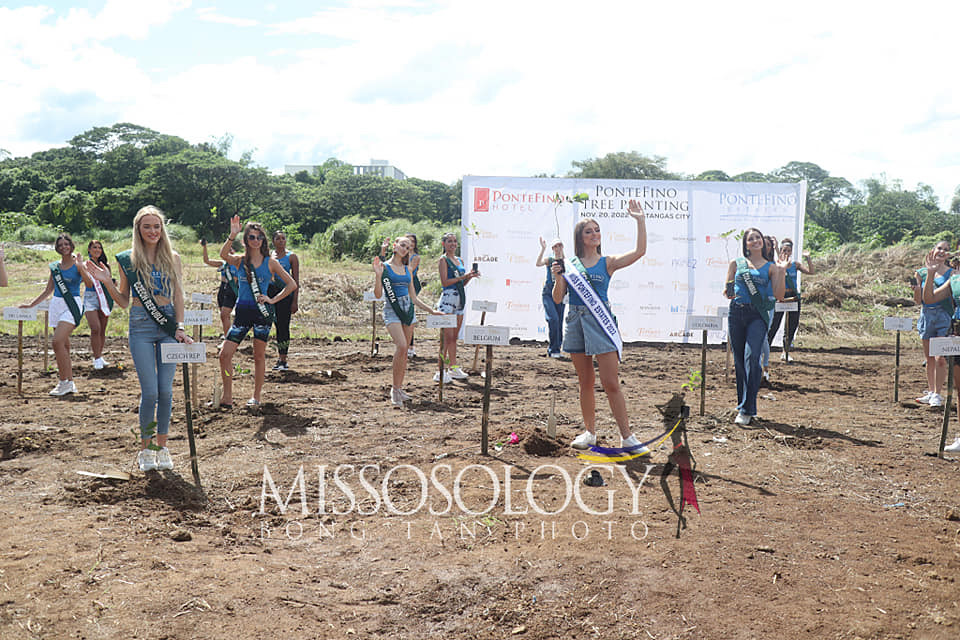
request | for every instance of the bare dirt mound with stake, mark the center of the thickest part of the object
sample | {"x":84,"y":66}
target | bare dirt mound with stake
{"x":826,"y":518}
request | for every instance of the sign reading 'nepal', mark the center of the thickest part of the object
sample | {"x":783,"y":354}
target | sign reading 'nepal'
{"x":693,"y":232}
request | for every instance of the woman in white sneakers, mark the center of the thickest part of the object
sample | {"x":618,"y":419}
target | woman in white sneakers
{"x":453,"y":300}
{"x":97,"y":305}
{"x":591,"y":329}
{"x":947,"y":290}
{"x":934,"y":319}
{"x":66,"y":308}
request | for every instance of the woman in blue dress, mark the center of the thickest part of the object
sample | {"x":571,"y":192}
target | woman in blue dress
{"x":934,"y":320}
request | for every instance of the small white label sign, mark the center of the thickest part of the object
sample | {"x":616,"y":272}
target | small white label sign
{"x":201,"y":298}
{"x":704,"y":323}
{"x":893,"y":323}
{"x":780,"y":307}
{"x":369,"y":297}
{"x":202,"y":317}
{"x":496,"y":336}
{"x":183,"y":353}
{"x":949,"y":346}
{"x":446,"y":321}
{"x":485,"y":305}
{"x":16,"y":313}
{"x":723,"y":312}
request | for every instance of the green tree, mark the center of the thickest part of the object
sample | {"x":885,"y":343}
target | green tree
{"x":714,"y":175}
{"x":69,"y":209}
{"x":623,"y":166}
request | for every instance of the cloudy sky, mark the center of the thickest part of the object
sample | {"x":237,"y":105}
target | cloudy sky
{"x":444,"y":88}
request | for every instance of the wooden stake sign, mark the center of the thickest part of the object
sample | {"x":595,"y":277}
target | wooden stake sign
{"x":447,"y":321}
{"x":894,"y":323}
{"x":483,"y":306}
{"x":949,"y":346}
{"x":724,"y":314}
{"x":21,"y":316}
{"x":198,"y":319}
{"x":186,"y":354}
{"x":488,"y":336}
{"x":704,"y":324}
{"x":373,"y":300}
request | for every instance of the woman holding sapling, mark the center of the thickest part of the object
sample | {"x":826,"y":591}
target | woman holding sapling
{"x":754,"y":283}
{"x":934,"y":319}
{"x":255,"y":270}
{"x":394,"y":282}
{"x":151,"y":284}
{"x":591,"y":329}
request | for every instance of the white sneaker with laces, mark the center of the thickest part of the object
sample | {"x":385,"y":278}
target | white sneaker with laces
{"x":411,"y":352}
{"x":925,"y":398}
{"x":953,"y":448}
{"x":447,"y":378}
{"x":98,"y":363}
{"x":457,"y":373}
{"x":63,"y":388}
{"x":395,"y":398}
{"x":404,"y":395}
{"x":935,"y":400}
{"x":147,"y":460}
{"x":742,"y":419}
{"x":584,"y":441}
{"x":164,"y":461}
{"x":633,"y":446}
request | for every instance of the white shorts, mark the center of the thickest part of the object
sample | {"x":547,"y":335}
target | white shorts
{"x":60,"y":312}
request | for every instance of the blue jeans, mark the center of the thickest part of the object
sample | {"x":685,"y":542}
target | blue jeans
{"x":554,"y":314}
{"x":748,"y":334}
{"x":156,"y":378}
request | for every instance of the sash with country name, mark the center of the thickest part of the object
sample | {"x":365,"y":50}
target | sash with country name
{"x":577,"y":279}
{"x":266,"y":310}
{"x":452,"y":272}
{"x":405,"y":315}
{"x":230,"y":277}
{"x":761,"y":304}
{"x":61,"y":285}
{"x":165,"y":322}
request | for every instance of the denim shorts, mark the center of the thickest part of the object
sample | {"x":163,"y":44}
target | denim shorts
{"x":450,"y":302}
{"x":583,"y":333}
{"x":246,"y":318}
{"x":389,"y":317}
{"x":90,"y":300}
{"x":933,"y":323}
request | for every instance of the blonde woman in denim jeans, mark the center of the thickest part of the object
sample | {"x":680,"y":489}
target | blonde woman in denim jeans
{"x":157,"y":266}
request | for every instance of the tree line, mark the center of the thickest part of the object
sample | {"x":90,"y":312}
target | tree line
{"x":102,"y":176}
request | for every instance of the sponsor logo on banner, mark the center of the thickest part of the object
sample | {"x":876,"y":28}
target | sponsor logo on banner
{"x":513,"y":258}
{"x":648,"y":332}
{"x":512,"y":282}
{"x":658,"y":203}
{"x":481,"y":199}
{"x":689,"y":263}
{"x":485,"y":258}
{"x":678,"y":308}
{"x":680,"y":286}
{"x":710,"y":309}
{"x":758,"y":200}
{"x":649,"y":285}
{"x":648,"y":309}
{"x":619,"y":284}
{"x":519,"y":234}
{"x":517,"y":306}
{"x":518,"y":201}
{"x":647,"y":261}
{"x":613,"y":236}
{"x":684,"y":239}
{"x":681,"y":334}
{"x":717,"y":263}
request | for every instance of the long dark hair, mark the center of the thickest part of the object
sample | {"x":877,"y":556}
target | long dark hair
{"x":264,"y":244}
{"x":103,"y":254}
{"x":743,"y":241}
{"x":578,"y":247}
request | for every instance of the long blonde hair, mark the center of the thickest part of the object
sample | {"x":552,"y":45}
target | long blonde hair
{"x":163,"y":262}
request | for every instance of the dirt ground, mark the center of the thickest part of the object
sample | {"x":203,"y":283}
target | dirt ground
{"x":827,"y":518}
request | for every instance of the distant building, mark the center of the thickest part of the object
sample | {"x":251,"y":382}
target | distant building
{"x":381,"y":168}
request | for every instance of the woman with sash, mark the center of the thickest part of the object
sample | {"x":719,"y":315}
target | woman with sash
{"x":65,"y":308}
{"x":254,"y":307}
{"x":591,"y":328}
{"x":754,"y":284}
{"x":151,"y":284}
{"x":453,"y":300}
{"x":935,"y":294}
{"x":934,"y":320}
{"x":552,"y":310}
{"x":413,"y":261}
{"x":791,"y":294}
{"x":229,"y":286}
{"x":97,"y":305}
{"x":394,"y":282}
{"x":286,"y":307}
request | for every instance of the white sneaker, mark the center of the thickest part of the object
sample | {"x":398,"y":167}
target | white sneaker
{"x":935,"y":400}
{"x":404,"y":395}
{"x":925,"y":398}
{"x":411,"y":352}
{"x":63,"y":388}
{"x":584,"y":441}
{"x":953,"y":448}
{"x":556,"y":355}
{"x":633,"y":446}
{"x":147,"y":459}
{"x":395,"y":398}
{"x":164,"y":461}
{"x":457,"y":373}
{"x":98,"y":363}
{"x":742,"y":419}
{"x":447,"y":378}
{"x":786,"y":358}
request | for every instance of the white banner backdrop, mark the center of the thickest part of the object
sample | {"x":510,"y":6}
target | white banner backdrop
{"x":691,"y":239}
